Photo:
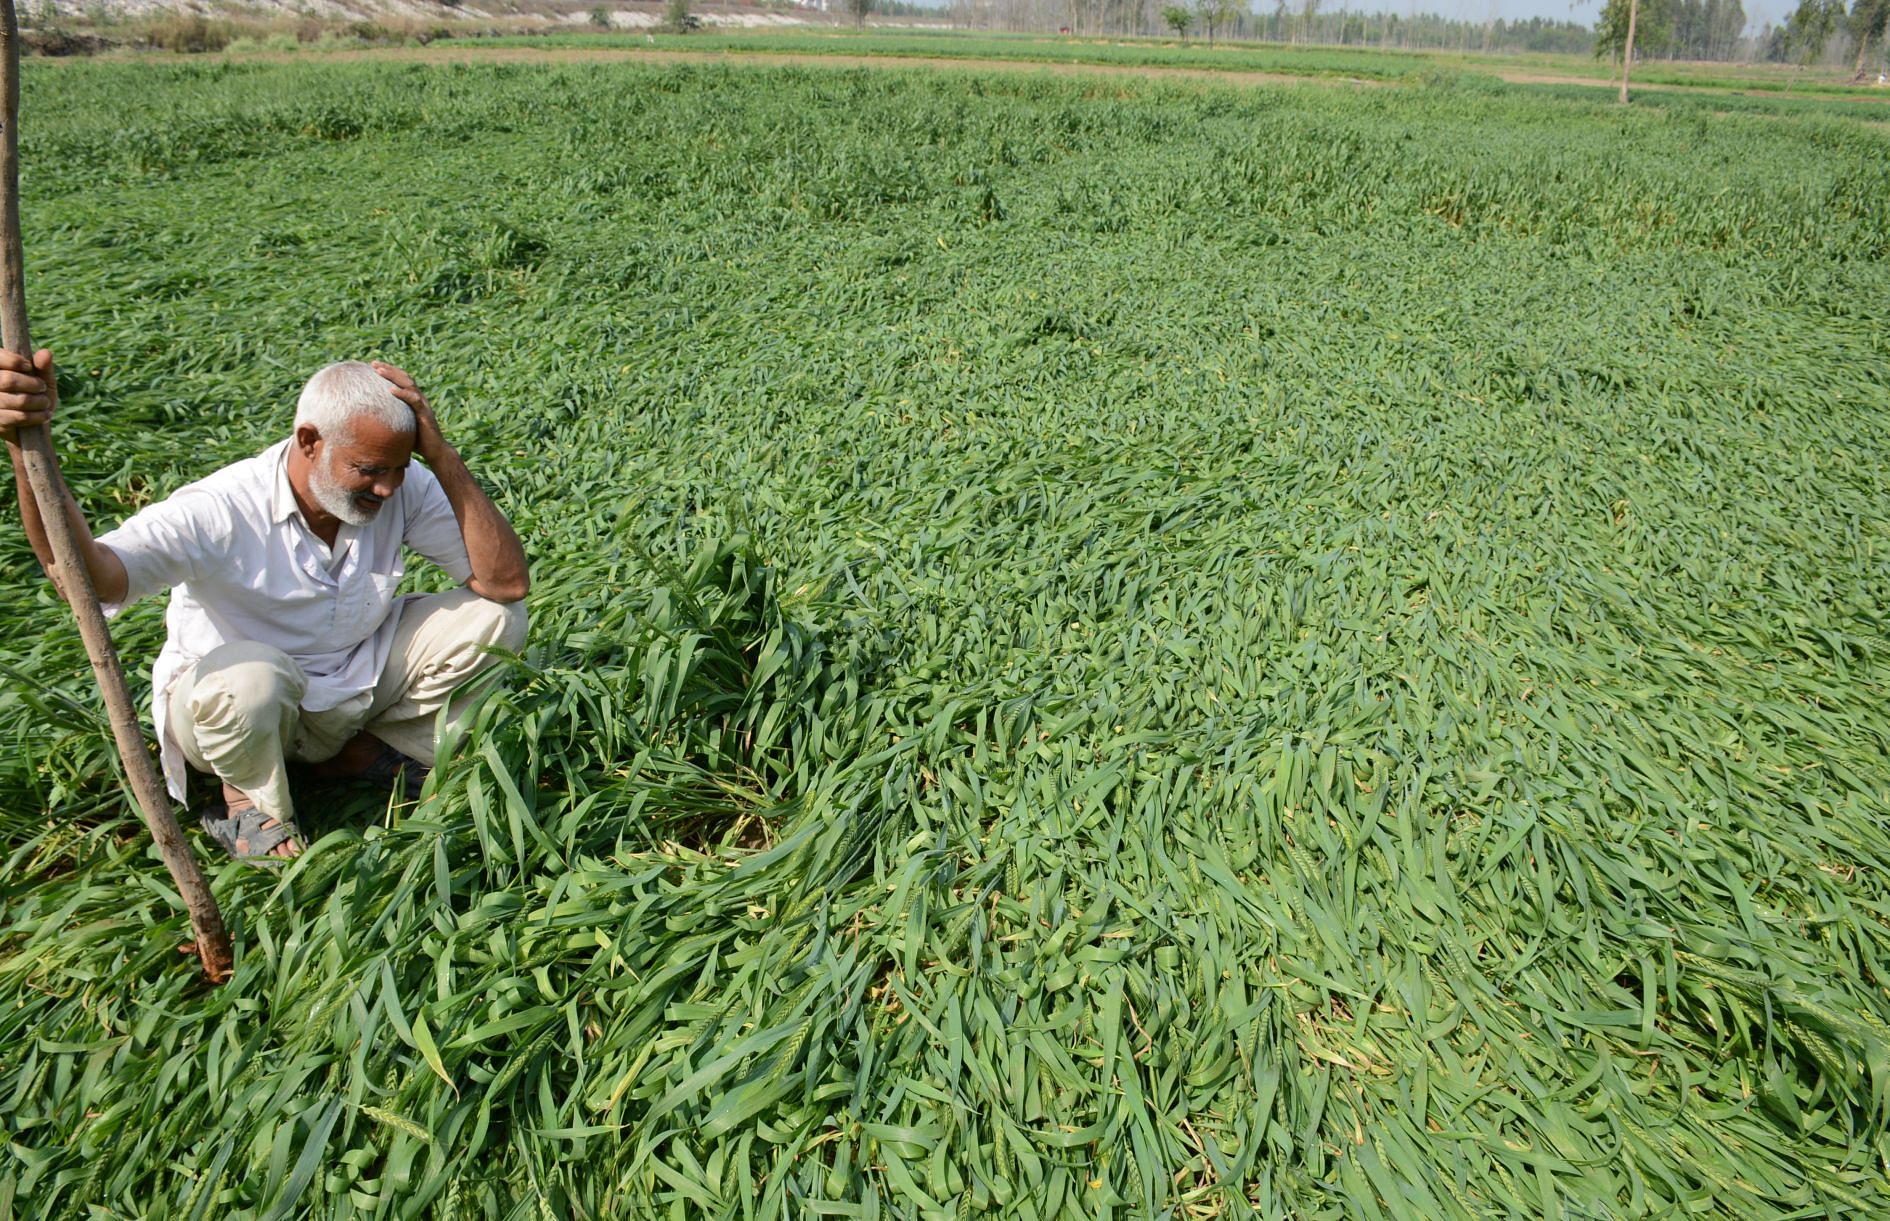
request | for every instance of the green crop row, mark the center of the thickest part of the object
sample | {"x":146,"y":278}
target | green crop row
{"x":1371,"y":63}
{"x":1101,"y":648}
{"x":1030,"y":48}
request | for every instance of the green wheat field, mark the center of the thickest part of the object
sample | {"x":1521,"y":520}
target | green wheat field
{"x":1102,"y":647}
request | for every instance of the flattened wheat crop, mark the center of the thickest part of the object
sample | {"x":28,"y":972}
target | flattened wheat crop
{"x":1100,"y":649}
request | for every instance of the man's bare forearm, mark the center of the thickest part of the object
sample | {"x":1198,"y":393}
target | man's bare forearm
{"x":108,"y":574}
{"x":499,"y":570}
{"x":29,"y":508}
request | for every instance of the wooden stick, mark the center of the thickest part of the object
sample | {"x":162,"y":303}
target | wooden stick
{"x":69,"y":572}
{"x":1627,"y":51}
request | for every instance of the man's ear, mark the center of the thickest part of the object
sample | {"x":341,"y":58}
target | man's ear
{"x":306,"y":438}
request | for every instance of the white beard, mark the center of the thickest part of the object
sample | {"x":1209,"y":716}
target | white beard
{"x":335,"y":499}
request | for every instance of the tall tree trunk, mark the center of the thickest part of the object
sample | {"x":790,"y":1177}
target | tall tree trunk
{"x":1627,"y":51}
{"x":69,"y":571}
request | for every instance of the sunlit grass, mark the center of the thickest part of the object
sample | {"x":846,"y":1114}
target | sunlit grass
{"x":1128,"y":648}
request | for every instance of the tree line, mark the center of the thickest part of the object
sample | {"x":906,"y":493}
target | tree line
{"x":1822,"y":31}
{"x":1675,"y":29}
{"x":1291,"y":21}
{"x":1817,"y":31}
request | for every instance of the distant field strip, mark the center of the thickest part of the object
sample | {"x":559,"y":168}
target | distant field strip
{"x":1224,"y":55}
{"x":1100,"y":649}
{"x":1240,"y":64}
{"x":474,"y":53}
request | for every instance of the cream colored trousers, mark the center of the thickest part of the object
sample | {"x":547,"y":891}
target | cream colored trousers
{"x":238,"y":713}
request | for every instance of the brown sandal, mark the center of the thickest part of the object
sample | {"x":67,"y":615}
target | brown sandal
{"x":249,"y":834}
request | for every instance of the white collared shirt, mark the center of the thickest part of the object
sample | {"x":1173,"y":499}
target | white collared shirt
{"x":245,"y":566}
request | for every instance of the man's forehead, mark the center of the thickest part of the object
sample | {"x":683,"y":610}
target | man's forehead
{"x":374,"y":455}
{"x":368,"y":435}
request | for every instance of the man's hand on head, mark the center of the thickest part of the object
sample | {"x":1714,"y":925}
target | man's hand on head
{"x":28,"y":392}
{"x":428,"y":441}
{"x":499,"y":569}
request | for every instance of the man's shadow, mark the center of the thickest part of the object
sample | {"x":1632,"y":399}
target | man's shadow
{"x":322,"y":804}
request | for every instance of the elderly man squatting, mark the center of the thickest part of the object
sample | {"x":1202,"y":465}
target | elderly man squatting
{"x":285,"y":640}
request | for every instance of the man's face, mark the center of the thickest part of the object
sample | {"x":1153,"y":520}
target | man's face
{"x":353,"y":475}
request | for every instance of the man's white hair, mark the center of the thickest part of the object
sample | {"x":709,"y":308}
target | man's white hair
{"x":346,"y":391}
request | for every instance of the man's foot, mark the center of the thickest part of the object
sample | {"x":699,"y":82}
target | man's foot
{"x":246,"y":832}
{"x":392,"y":770}
{"x":366,"y":757}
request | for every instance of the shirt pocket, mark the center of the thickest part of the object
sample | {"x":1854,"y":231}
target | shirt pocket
{"x":368,"y":606}
{"x":383,"y":585}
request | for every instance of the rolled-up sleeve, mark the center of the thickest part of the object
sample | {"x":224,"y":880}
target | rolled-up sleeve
{"x":432,"y":529}
{"x":168,"y":543}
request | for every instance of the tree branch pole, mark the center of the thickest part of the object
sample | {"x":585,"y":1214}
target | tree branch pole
{"x":1627,"y":50}
{"x":69,"y":572}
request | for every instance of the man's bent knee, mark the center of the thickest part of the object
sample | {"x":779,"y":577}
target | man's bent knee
{"x":243,"y":682}
{"x":510,"y":625}
{"x":487,"y":625}
{"x":484,"y":623}
{"x":445,"y":639}
{"x":231,"y":711}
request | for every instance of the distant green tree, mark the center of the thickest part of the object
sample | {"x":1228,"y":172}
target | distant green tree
{"x":600,"y":17}
{"x":1629,"y":27}
{"x":1725,"y":25}
{"x":859,"y":9}
{"x":677,"y":19}
{"x":1771,"y":43}
{"x":1218,"y":15}
{"x":1694,"y":29}
{"x":1653,"y":27}
{"x":1810,"y":27}
{"x":1870,"y":20}
{"x":1178,"y":19}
